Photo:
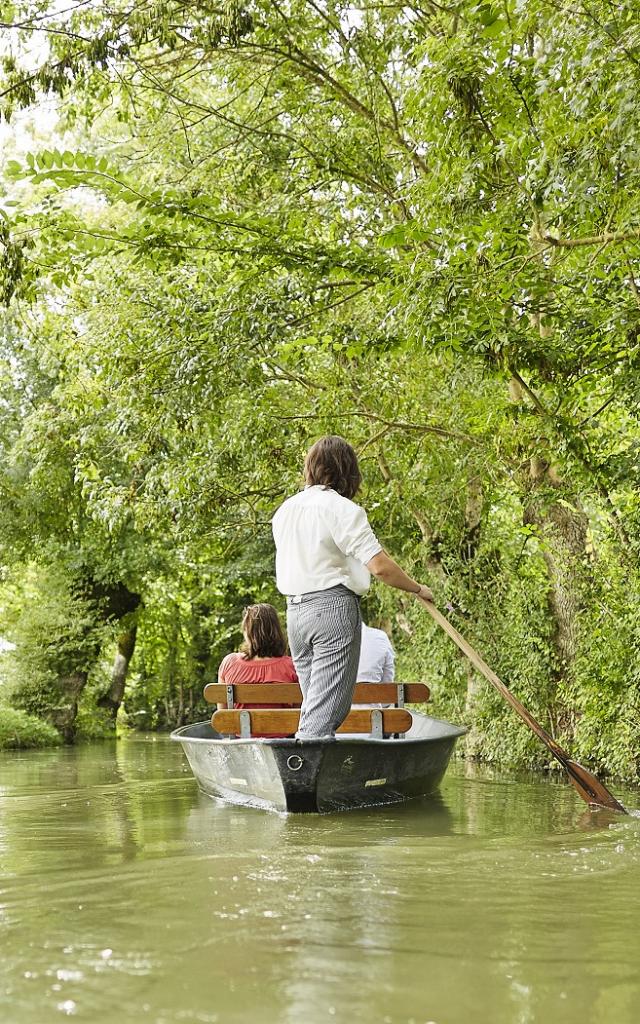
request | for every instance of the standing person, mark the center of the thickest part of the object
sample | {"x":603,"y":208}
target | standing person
{"x":325,"y":553}
{"x":263,"y":656}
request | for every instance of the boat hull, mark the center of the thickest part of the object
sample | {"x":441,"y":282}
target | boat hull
{"x":320,"y":775}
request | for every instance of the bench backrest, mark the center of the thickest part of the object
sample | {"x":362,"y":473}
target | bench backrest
{"x":290,"y":693}
{"x":281,"y":721}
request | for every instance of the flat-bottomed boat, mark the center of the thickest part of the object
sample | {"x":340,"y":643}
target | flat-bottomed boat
{"x":354,"y":770}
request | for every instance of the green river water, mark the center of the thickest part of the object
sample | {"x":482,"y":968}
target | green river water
{"x":128,"y":896}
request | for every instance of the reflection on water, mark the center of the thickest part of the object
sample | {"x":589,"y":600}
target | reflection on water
{"x":126,"y":896}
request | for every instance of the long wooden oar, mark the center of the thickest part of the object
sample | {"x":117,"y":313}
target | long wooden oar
{"x":590,"y":789}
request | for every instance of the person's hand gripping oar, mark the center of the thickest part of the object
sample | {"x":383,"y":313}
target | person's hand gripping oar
{"x":588,"y":786}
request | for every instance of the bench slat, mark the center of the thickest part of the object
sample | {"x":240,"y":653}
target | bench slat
{"x":282,"y":720}
{"x":290,"y":693}
{"x":254,"y":693}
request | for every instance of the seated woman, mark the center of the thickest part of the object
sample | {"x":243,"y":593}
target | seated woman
{"x":263,"y":656}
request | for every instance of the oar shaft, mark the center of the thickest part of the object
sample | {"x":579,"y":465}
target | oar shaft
{"x":489,"y":674}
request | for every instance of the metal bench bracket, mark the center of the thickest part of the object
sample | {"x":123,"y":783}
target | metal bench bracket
{"x":376,"y":724}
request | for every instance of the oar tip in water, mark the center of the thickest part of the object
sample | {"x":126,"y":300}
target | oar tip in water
{"x":592,"y":791}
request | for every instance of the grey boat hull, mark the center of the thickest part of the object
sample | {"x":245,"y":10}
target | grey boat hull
{"x":319,"y":775}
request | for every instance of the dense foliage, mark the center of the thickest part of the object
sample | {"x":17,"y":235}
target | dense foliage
{"x":251,"y":223}
{"x":18,"y":729}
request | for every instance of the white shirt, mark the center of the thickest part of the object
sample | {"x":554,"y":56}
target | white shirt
{"x":377,"y":663}
{"x":322,"y":540}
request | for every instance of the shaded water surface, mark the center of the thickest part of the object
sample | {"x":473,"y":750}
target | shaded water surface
{"x":128,"y":896}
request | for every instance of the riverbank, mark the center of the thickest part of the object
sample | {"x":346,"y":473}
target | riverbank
{"x":20,"y":731}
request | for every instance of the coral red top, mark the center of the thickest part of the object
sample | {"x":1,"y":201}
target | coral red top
{"x":235,"y":668}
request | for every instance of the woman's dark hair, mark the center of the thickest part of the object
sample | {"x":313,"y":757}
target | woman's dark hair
{"x":263,"y":633}
{"x":332,"y":462}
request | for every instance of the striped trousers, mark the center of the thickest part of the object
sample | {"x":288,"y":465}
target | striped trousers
{"x":324,"y":637}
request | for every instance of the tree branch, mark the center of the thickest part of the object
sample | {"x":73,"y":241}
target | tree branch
{"x":605,"y":239}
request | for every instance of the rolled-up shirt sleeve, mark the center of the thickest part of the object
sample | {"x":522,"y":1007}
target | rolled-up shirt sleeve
{"x":353,"y":535}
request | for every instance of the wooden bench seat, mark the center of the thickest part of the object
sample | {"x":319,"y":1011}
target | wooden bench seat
{"x":290,"y":693}
{"x":284,"y":722}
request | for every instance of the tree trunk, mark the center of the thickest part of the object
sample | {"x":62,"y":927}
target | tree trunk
{"x":170,"y":671}
{"x":472,"y":518}
{"x":63,"y":717}
{"x":473,"y":739}
{"x":468,"y":550}
{"x":180,"y":719}
{"x":551,"y":506}
{"x":126,"y":646}
{"x":562,"y":527}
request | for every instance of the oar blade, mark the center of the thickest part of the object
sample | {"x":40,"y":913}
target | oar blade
{"x":592,"y":791}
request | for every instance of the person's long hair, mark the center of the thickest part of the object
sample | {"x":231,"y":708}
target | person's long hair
{"x":262,"y":632}
{"x":332,"y":462}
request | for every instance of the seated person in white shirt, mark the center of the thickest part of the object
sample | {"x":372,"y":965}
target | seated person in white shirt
{"x":377,"y":659}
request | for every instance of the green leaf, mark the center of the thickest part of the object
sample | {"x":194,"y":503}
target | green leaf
{"x":395,"y":236}
{"x":494,"y":28}
{"x":14,"y":169}
{"x":488,"y":14}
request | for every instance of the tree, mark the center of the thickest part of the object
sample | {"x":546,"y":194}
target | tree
{"x":308,"y":217}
